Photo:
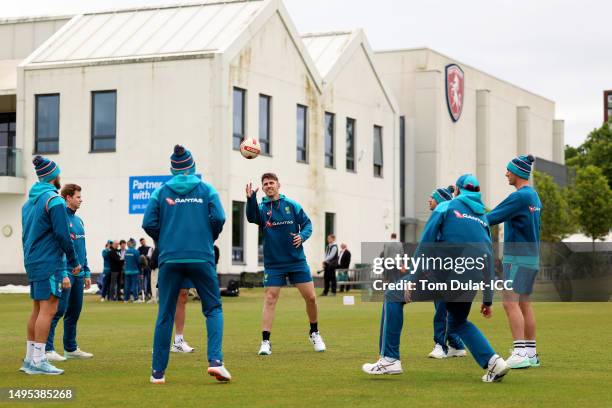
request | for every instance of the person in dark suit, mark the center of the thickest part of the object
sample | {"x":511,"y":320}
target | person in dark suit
{"x":330,"y":263}
{"x":344,"y":263}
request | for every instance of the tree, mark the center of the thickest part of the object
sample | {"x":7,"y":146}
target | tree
{"x":557,"y":221}
{"x":596,"y":150}
{"x":591,"y":197}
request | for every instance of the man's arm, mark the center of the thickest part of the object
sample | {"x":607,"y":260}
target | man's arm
{"x":305,"y":224}
{"x":505,"y":210}
{"x":215,"y":213}
{"x":252,"y":210}
{"x":150,"y":221}
{"x":61,"y":229}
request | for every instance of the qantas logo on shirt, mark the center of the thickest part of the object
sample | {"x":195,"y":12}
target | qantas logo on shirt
{"x":470,"y":217}
{"x":533,"y":208}
{"x":184,"y":201}
{"x":75,"y":237}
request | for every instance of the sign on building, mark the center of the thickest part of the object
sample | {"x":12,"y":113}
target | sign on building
{"x":455,"y":85}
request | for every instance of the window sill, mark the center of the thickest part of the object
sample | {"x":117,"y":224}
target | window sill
{"x":242,"y":263}
{"x":104,"y":151}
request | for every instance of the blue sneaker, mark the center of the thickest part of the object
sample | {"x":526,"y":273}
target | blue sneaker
{"x":44,"y":367}
{"x":25,"y":367}
{"x":157,"y":377}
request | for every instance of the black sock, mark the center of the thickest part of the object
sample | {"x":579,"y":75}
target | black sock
{"x":265,"y":335}
{"x":313,"y":327}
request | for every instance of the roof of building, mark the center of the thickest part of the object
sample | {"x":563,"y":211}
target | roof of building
{"x":205,"y":27}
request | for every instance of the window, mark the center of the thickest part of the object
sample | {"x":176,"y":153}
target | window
{"x":264,"y":123}
{"x":330,"y":225}
{"x":302,"y":129}
{"x":402,"y":163}
{"x":238,"y":117}
{"x":8,"y":159}
{"x":103,"y":121}
{"x":378,"y":151}
{"x":329,"y":139}
{"x":260,"y":254}
{"x":237,"y":232}
{"x":46,"y":126}
{"x":350,"y":144}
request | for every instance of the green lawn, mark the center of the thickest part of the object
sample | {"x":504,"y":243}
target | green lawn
{"x":573,"y":343}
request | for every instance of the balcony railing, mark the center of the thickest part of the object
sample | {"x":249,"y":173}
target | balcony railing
{"x":10,"y":162}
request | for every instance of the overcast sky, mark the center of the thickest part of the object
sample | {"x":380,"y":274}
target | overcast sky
{"x":560,"y":49}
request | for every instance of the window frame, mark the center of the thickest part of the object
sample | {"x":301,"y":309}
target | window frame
{"x":92,"y":136}
{"x":36,"y":138}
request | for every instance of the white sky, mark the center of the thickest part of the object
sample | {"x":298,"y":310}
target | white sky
{"x":560,"y":49}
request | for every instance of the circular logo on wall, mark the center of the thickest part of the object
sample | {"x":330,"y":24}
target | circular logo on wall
{"x":455,"y":80}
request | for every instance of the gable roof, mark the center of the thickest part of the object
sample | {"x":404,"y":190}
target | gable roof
{"x":201,"y":28}
{"x":332,"y":51}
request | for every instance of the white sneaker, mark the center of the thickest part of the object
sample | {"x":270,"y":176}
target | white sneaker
{"x":516,"y":361}
{"x":53,"y":356}
{"x":265,"y":349}
{"x":437,"y":352}
{"x":496,"y":371}
{"x":78,"y":353}
{"x":383,"y":366}
{"x":181,"y":347}
{"x":220,"y":373}
{"x":102,"y":300}
{"x":453,"y":352}
{"x":317,"y":342}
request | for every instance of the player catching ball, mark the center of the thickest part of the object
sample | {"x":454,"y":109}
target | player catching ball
{"x":285,"y":227}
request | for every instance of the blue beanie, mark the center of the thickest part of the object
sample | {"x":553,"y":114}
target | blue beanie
{"x":46,"y":169}
{"x":181,"y":161}
{"x":443,"y":194}
{"x":468,"y":182}
{"x":521,"y":166}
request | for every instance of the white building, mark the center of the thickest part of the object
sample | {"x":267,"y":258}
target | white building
{"x":107,"y":95}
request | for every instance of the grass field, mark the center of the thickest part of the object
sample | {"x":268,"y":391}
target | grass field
{"x":573,"y":343}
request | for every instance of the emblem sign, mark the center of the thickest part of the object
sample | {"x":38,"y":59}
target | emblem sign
{"x":455,"y":80}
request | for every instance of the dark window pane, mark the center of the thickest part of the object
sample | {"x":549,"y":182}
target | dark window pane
{"x":330,"y":225}
{"x":47,"y":123}
{"x":329,"y":139}
{"x":237,"y":231}
{"x":238,"y":117}
{"x":264,"y":123}
{"x":301,"y":129}
{"x":350,"y":144}
{"x":103,"y":120}
{"x":378,"y":151}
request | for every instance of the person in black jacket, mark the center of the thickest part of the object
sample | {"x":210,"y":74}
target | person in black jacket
{"x":330,"y":263}
{"x":116,"y":266}
{"x":344,"y":263}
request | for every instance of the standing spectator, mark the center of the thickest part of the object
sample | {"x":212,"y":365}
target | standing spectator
{"x":330,"y":263}
{"x":153,"y":265}
{"x":116,"y":265}
{"x":106,"y":276}
{"x":146,"y":251}
{"x":344,"y":263}
{"x":132,"y":269}
{"x":122,"y":250}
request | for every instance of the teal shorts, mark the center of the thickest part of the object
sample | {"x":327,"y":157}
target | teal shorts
{"x":42,"y":290}
{"x":520,"y":277}
{"x":277,"y":277}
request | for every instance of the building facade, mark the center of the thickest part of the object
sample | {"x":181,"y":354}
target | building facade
{"x":358,"y":138}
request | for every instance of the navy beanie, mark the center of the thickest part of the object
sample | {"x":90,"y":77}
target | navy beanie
{"x":521,"y":166}
{"x":46,"y":169}
{"x":443,"y":194}
{"x":181,"y":161}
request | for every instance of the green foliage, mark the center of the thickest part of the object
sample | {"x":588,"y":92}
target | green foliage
{"x":591,"y":197}
{"x":596,"y":151}
{"x":557,"y":220}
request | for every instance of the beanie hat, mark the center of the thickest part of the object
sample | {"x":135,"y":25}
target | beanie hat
{"x":46,"y":169}
{"x":521,"y":166}
{"x":468,"y":182}
{"x":443,"y":194}
{"x":181,"y":161}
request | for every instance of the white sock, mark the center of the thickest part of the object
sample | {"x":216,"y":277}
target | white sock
{"x":29,"y":345}
{"x":38,"y":352}
{"x":178,"y":338}
{"x":530,"y":348}
{"x":519,"y":348}
{"x":492,"y":359}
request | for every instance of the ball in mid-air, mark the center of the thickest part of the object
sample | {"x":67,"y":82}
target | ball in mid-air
{"x":250,"y":148}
